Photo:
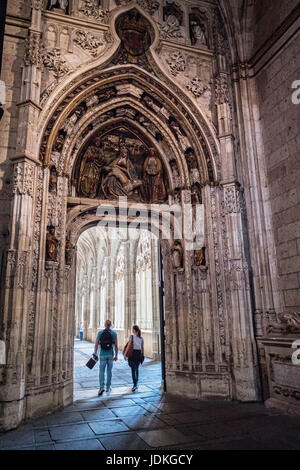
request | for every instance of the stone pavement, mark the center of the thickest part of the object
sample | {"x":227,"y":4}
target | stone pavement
{"x":149,"y":419}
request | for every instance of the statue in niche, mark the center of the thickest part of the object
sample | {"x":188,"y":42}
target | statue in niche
{"x":53,"y":180}
{"x":199,"y":257}
{"x":51,"y":244}
{"x":197,"y":34}
{"x":58,"y":4}
{"x":69,"y":251}
{"x":177,"y":255}
{"x":59,"y":143}
{"x":196,"y":197}
{"x":90,"y":169}
{"x":155,"y":190}
{"x":121,"y":178}
{"x":173,"y":17}
{"x":175,"y":128}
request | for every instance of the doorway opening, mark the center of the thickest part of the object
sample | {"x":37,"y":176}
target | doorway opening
{"x":121,"y":279}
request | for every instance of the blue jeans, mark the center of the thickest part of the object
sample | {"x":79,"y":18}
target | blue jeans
{"x":105,"y":361}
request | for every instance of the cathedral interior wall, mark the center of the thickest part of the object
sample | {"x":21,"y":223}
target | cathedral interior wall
{"x":219,"y":359}
{"x":281,"y":140}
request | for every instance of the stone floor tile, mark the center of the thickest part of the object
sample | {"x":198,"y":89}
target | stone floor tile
{"x":149,"y":407}
{"x":64,"y":418}
{"x":212,"y":431}
{"x":169,"y":407}
{"x":116,"y":403}
{"x":85,"y":405}
{"x":124,"y":442}
{"x":41,"y":436}
{"x":85,"y":444}
{"x":164,"y":437}
{"x":96,"y":415}
{"x":143,"y":422}
{"x":187,"y":417}
{"x":168,"y":419}
{"x":139,"y":401}
{"x":75,"y":431}
{"x":17,"y":438}
{"x":45,"y":446}
{"x":129,"y":411}
{"x":108,"y":427}
{"x":40,"y":422}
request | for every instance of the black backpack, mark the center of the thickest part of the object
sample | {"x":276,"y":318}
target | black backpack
{"x":106,"y":340}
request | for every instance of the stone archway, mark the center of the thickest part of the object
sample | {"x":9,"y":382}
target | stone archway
{"x":210,"y":344}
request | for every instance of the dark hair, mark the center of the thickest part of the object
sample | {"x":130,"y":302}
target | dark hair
{"x":137,"y":329}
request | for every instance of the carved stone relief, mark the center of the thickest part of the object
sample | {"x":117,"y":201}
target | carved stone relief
{"x":221,"y":89}
{"x":88,"y":42}
{"x":54,"y":61}
{"x":120,"y":165}
{"x":176,"y":63}
{"x":93,"y":12}
{"x":33,"y":49}
{"x":198,"y":87}
{"x":23,"y":182}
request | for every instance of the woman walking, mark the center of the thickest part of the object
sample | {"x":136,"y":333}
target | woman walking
{"x":134,"y":352}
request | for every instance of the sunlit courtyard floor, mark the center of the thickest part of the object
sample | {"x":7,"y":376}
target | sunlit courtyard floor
{"x":86,"y":381}
{"x":150,"y":419}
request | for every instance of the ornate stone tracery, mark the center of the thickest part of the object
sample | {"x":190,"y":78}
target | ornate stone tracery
{"x":125,"y":98}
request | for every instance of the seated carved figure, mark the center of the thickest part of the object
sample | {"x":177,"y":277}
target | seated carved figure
{"x":121,"y":178}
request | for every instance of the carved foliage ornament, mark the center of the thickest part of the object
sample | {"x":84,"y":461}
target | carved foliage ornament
{"x":23,"y":179}
{"x":88,"y":42}
{"x":197,"y":86}
{"x":149,"y":5}
{"x":221,"y":90}
{"x":32,"y":49}
{"x":90,"y":9}
{"x":55,"y":62}
{"x":37,"y":4}
{"x":176,"y":63}
{"x":17,"y":261}
{"x":232,"y":200}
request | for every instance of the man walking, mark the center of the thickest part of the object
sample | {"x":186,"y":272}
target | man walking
{"x":107,"y":341}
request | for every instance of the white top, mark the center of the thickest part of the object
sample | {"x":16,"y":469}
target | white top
{"x":137,"y":342}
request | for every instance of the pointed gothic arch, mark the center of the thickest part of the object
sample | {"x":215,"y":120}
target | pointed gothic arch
{"x":209,"y":324}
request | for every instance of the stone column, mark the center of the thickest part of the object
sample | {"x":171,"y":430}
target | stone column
{"x":16,"y":296}
{"x":245,"y":366}
{"x":155,"y":301}
{"x":18,"y":270}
